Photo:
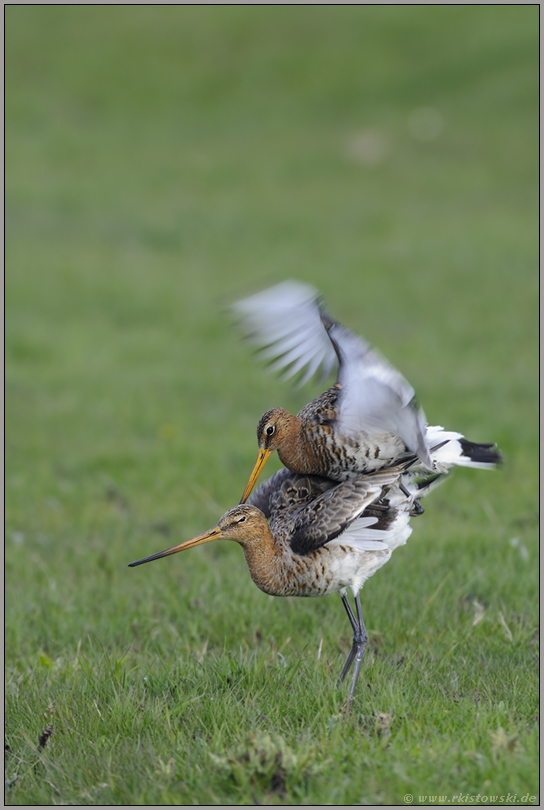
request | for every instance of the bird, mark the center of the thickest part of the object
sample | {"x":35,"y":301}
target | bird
{"x":323,"y":537}
{"x":368,"y":420}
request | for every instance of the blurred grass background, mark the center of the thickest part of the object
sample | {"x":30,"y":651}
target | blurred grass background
{"x":162,"y":161}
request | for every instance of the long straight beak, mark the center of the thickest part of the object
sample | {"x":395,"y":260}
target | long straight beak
{"x":213,"y":534}
{"x":262,"y":458}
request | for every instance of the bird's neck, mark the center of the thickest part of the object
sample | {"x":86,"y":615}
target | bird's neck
{"x":296,"y":452}
{"x":263,"y":558}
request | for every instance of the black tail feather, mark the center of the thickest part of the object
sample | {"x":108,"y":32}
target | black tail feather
{"x":480,"y":453}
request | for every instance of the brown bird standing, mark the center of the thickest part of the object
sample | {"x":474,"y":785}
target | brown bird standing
{"x":323,"y":538}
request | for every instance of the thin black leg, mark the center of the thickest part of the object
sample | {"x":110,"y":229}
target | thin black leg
{"x":358,"y":647}
{"x":361,"y":638}
{"x":351,"y":616}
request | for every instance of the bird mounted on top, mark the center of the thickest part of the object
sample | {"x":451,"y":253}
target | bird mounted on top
{"x":368,"y":420}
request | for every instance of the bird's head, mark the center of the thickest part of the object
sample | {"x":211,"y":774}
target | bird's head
{"x":274,"y":429}
{"x":243,"y":524}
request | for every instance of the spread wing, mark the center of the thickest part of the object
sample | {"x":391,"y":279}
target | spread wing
{"x":291,"y":328}
{"x":284,"y":322}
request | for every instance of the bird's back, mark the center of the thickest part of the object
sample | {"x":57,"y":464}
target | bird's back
{"x":343,"y":455}
{"x":328,"y":536}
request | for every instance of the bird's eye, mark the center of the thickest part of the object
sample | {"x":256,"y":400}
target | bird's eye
{"x":270,"y":430}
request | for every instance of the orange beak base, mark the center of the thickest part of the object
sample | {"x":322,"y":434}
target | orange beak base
{"x":262,"y":458}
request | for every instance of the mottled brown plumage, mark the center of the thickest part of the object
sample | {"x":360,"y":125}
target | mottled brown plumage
{"x":320,"y":539}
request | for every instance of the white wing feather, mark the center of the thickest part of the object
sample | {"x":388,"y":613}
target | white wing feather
{"x":285,"y":322}
{"x":375,"y":396}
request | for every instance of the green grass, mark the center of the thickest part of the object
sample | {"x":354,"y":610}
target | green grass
{"x":162,"y":161}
